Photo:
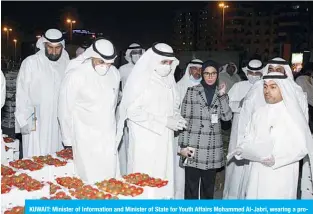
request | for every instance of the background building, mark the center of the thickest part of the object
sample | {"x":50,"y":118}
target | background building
{"x":258,"y":29}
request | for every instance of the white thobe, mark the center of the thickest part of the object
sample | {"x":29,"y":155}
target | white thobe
{"x":87,"y":105}
{"x":234,"y":167}
{"x":273,"y":124}
{"x":151,"y":146}
{"x":306,"y":181}
{"x":3,"y":95}
{"x":224,"y":77}
{"x":124,"y":70}
{"x":38,"y":85}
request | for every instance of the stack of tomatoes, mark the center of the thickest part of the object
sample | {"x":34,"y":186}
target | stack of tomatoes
{"x":22,"y":181}
{"x":65,"y":154}
{"x":5,"y":185}
{"x":70,"y":182}
{"x":6,"y":170}
{"x":8,"y":140}
{"x":116,"y":187}
{"x":26,"y":165}
{"x":145,"y":180}
{"x":53,"y":188}
{"x":49,"y":160}
{"x":89,"y":192}
{"x":61,"y":195}
{"x":15,"y":210}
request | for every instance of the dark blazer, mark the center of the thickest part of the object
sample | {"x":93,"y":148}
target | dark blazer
{"x":201,"y":133}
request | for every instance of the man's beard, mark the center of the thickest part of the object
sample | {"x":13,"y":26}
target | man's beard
{"x":53,"y":57}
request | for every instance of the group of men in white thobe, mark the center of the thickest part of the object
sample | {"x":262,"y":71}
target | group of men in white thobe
{"x":63,"y":103}
{"x":270,"y":113}
{"x":130,"y":115}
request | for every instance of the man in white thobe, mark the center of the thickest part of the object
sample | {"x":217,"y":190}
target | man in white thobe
{"x":81,"y":49}
{"x":281,"y":124}
{"x":191,"y":78}
{"x":306,"y":83}
{"x":3,"y":95}
{"x":254,"y":100}
{"x":150,"y":106}
{"x":236,"y":95}
{"x":37,"y":90}
{"x":229,"y":75}
{"x":87,"y":104}
{"x":132,"y":55}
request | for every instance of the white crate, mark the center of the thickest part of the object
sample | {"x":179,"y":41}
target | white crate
{"x":16,"y":155}
{"x":50,"y":173}
{"x":17,"y":197}
{"x":9,"y":155}
{"x":15,"y":145}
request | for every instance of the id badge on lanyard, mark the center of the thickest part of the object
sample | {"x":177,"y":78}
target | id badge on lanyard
{"x":214,"y":118}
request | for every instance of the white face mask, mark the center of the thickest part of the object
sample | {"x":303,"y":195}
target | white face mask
{"x":253,"y":79}
{"x":135,"y":58}
{"x":192,"y":79}
{"x":163,"y":70}
{"x":102,"y":69}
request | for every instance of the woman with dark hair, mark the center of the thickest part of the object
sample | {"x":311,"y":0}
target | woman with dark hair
{"x":204,"y":106}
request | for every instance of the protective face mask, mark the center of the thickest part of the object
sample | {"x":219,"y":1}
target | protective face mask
{"x":192,"y":79}
{"x":102,"y":69}
{"x":253,"y":79}
{"x":53,"y":57}
{"x":163,"y":70}
{"x":135,"y":58}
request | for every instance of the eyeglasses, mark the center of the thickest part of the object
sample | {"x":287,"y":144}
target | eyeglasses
{"x":213,"y":74}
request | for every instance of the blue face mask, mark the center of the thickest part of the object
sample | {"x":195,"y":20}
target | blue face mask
{"x":192,"y":79}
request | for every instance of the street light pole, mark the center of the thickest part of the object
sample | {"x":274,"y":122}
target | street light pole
{"x":15,"y":41}
{"x":223,"y":6}
{"x":71,"y":22}
{"x":7,"y":30}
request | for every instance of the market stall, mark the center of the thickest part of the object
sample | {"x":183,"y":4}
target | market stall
{"x":53,"y":177}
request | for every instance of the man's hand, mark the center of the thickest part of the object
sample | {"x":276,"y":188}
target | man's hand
{"x":186,"y":152}
{"x":176,"y":123}
{"x":270,"y":161}
{"x":238,"y":153}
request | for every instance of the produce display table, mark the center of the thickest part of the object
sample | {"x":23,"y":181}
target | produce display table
{"x":53,"y":177}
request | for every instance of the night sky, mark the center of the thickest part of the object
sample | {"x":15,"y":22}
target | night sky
{"x":121,"y":22}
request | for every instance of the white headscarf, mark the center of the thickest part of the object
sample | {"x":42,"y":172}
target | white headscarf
{"x":224,"y":67}
{"x":193,"y":63}
{"x":101,"y":49}
{"x":185,"y":81}
{"x":254,"y":65}
{"x":139,"y":79}
{"x":79,"y":51}
{"x":292,"y":102}
{"x":307,"y":86}
{"x":133,"y":46}
{"x":52,"y":36}
{"x":279,"y":61}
